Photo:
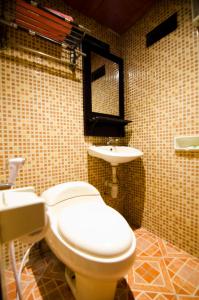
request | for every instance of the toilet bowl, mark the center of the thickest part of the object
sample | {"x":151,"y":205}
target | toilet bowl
{"x":92,"y":239}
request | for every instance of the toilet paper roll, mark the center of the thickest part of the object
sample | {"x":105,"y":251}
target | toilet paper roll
{"x":35,"y":236}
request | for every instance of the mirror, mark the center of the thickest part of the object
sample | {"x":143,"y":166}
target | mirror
{"x":104,"y":85}
{"x":103,"y":90}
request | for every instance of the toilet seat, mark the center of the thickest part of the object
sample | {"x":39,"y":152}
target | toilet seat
{"x":95,"y":229}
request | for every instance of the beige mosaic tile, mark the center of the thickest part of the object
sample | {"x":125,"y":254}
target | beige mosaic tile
{"x":162,"y":100}
{"x":42,"y":119}
{"x":41,"y":108}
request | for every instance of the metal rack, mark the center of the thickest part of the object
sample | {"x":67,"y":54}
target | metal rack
{"x":50,"y":25}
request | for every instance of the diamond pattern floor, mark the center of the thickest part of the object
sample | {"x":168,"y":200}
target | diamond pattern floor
{"x":160,"y":272}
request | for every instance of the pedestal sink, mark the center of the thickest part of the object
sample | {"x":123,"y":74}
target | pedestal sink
{"x":115,"y":154}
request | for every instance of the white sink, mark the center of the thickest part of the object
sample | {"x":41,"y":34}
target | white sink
{"x":115,"y":154}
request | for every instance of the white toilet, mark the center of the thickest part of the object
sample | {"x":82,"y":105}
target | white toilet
{"x":90,"y":238}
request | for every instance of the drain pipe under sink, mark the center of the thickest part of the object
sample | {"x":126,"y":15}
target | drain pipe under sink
{"x":114,"y":184}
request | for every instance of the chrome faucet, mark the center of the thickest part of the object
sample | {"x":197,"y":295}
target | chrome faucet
{"x":112,"y":141}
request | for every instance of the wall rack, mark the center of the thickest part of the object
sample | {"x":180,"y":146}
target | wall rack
{"x":50,"y":25}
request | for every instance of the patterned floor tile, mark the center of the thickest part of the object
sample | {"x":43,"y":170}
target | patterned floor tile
{"x":150,"y":274}
{"x":157,"y":296}
{"x":172,"y":251}
{"x":184,"y":274}
{"x":148,"y":247}
{"x":143,"y":296}
{"x":161,"y":271}
{"x":188,"y":298}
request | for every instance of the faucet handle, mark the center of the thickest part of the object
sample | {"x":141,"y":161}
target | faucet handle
{"x":109,"y":141}
{"x":112,"y":140}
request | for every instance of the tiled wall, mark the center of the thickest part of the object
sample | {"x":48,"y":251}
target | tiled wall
{"x":41,"y":108}
{"x":42,"y":120}
{"x":162,"y":100}
{"x":42,"y":111}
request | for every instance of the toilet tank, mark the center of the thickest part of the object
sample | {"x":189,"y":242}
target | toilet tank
{"x":66,"y":191}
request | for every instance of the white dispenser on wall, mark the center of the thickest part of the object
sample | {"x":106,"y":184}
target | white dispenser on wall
{"x":22,"y":216}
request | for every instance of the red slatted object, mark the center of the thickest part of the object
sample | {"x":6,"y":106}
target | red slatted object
{"x":40,"y":21}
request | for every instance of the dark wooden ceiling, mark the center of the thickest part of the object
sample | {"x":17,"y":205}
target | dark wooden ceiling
{"x":119,"y":15}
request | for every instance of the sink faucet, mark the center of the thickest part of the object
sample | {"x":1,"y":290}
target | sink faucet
{"x":112,"y":141}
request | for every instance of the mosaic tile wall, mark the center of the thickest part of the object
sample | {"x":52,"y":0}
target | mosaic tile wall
{"x":41,"y":108}
{"x":42,"y":120}
{"x":162,"y":100}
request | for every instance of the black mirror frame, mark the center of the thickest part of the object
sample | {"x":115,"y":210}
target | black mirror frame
{"x":99,"y":124}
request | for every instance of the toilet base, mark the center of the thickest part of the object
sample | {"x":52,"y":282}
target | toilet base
{"x":85,"y":288}
{"x":70,"y":279}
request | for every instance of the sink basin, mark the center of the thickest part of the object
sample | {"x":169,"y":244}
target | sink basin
{"x":115,"y":154}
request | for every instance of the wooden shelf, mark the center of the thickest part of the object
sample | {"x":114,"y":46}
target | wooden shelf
{"x":112,"y":120}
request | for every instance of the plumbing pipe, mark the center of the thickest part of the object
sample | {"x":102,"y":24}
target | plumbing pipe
{"x":114,"y":174}
{"x":114,"y":184}
{"x":13,"y":262}
{"x":3,"y":292}
{"x":21,"y":268}
{"x":14,"y":165}
{"x":114,"y":190}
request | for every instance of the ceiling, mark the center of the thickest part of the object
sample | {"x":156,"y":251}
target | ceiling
{"x":119,"y":15}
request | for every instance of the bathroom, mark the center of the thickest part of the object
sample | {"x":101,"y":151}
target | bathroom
{"x":42,"y":120}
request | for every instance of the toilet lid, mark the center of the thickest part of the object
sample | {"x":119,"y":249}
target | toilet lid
{"x":95,"y":229}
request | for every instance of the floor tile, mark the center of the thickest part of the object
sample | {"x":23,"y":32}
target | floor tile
{"x":161,"y":271}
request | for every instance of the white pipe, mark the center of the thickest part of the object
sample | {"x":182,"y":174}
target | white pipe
{"x":114,"y":190}
{"x":13,"y":262}
{"x":22,"y":266}
{"x":114,"y":183}
{"x":2,"y":272}
{"x":14,"y":166}
{"x":114,"y":174}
